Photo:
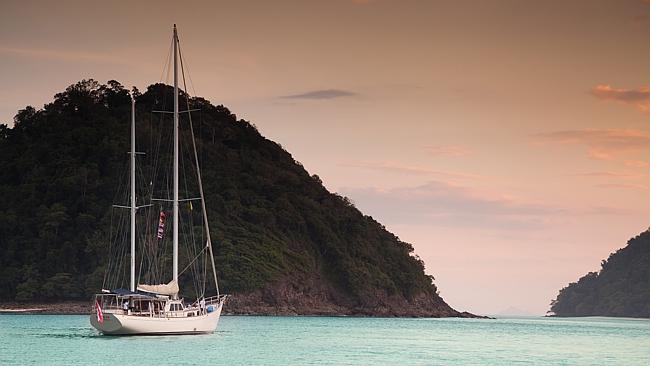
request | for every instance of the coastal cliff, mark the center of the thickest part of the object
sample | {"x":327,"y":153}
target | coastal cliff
{"x":283,"y":243}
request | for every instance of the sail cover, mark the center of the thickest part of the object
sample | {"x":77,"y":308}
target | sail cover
{"x":170,"y":289}
{"x":126,"y":292}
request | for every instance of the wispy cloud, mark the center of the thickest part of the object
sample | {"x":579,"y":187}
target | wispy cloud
{"x":605,"y":211}
{"x":611,"y":175}
{"x":618,"y":180}
{"x":395,"y":167}
{"x":636,"y":187}
{"x":443,"y":204}
{"x":321,"y":94}
{"x":637,"y":163}
{"x":638,"y":97}
{"x":602,"y":144}
{"x":439,"y":203}
{"x":447,"y":150}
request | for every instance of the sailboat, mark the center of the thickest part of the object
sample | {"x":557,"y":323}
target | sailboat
{"x":157,"y":309}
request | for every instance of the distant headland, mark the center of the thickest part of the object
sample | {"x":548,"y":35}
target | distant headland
{"x":620,"y":288}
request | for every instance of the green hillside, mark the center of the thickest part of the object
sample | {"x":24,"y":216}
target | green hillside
{"x":280,"y":237}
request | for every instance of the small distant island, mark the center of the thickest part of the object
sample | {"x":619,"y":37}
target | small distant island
{"x":284,"y":244}
{"x":621,"y":287}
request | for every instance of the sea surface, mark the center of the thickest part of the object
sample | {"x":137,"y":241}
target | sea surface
{"x":252,"y":340}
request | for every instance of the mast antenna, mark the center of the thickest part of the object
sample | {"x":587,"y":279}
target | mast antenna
{"x":133,"y":206}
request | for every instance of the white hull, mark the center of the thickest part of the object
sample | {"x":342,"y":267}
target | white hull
{"x":122,"y":324}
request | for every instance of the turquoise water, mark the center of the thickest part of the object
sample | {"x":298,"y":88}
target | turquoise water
{"x":69,"y":340}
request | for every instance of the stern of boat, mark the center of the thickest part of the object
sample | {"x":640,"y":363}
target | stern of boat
{"x":110,"y":324}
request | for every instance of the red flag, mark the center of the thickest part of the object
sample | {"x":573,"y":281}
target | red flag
{"x":161,"y":225}
{"x":100,"y":313}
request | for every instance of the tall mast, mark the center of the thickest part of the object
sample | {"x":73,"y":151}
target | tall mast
{"x":133,"y":207}
{"x":175,"y":205}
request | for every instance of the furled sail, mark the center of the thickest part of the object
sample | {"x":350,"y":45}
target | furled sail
{"x":170,"y":288}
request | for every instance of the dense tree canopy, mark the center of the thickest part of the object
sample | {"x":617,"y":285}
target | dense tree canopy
{"x":270,"y":219}
{"x":621,"y":288}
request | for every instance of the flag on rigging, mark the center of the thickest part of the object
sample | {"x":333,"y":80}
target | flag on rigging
{"x":161,"y":225}
{"x":100,"y":313}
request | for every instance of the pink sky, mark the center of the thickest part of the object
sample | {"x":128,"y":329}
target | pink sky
{"x":508,"y":141}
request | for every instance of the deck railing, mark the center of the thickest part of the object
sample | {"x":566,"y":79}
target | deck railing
{"x":112,"y":303}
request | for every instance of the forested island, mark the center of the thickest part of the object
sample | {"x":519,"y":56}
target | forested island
{"x":620,"y":288}
{"x":283,"y":243}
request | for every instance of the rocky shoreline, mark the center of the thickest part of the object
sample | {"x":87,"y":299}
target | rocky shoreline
{"x":306,"y":296}
{"x":316,"y":299}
